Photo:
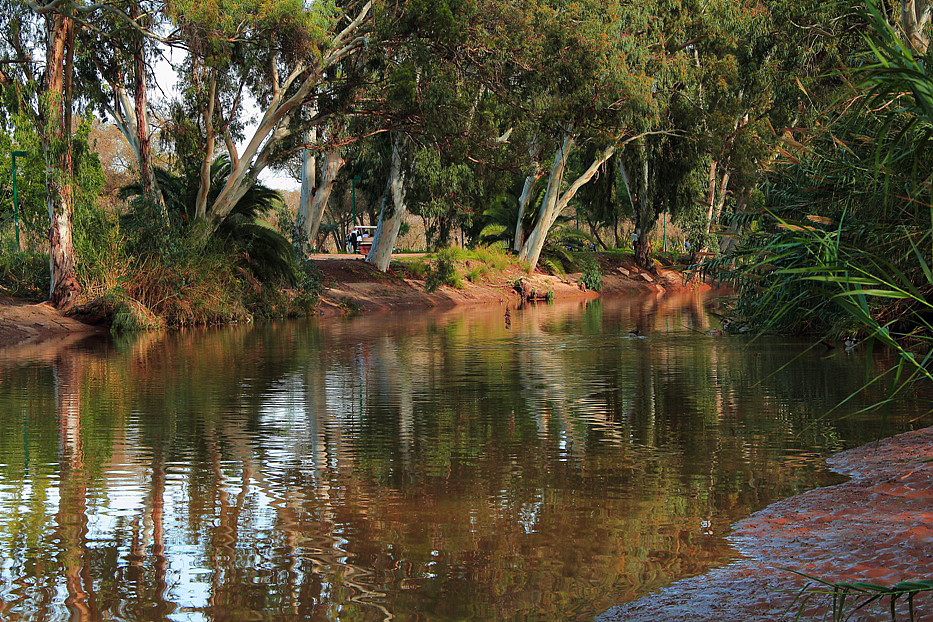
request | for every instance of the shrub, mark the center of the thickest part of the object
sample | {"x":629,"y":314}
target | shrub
{"x":494,"y":258}
{"x":477,"y":273}
{"x":130,"y":315}
{"x":25,"y":274}
{"x":444,"y":271}
{"x":415,"y":268}
{"x":592,"y":276}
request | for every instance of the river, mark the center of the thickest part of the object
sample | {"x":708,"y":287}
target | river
{"x":461,"y":465}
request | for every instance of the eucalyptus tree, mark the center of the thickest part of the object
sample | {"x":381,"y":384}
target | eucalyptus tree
{"x":439,"y":96}
{"x":118,"y":48}
{"x":38,"y":75}
{"x":44,"y":47}
{"x":286,"y":56}
{"x":592,"y":77}
{"x":316,"y":189}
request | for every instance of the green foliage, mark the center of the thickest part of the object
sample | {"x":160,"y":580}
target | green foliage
{"x":254,"y":245}
{"x":441,"y":192}
{"x":349,"y":306}
{"x":477,"y":274}
{"x":558,"y":254}
{"x":444,"y":270}
{"x":24,"y":274}
{"x":415,"y":267}
{"x":31,"y":182}
{"x":246,"y":269}
{"x":494,"y":258}
{"x":129,"y":315}
{"x":849,"y":598}
{"x":592,"y":276}
{"x":848,"y":244}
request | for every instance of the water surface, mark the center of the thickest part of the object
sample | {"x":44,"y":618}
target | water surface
{"x":431,"y":466}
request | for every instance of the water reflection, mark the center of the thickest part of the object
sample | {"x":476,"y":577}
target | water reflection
{"x":427,"y":466}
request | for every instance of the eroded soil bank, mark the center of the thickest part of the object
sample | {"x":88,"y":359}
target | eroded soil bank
{"x":876,"y":527}
{"x":352,"y":285}
{"x":24,"y":323}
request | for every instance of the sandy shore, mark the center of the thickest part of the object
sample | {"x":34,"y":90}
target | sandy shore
{"x":876,"y":527}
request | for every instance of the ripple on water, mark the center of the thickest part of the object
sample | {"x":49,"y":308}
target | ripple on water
{"x":431,"y":466}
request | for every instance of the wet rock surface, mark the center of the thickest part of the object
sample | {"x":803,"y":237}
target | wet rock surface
{"x":877,"y":527}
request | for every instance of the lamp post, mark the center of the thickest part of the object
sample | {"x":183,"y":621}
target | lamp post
{"x":16,"y":154}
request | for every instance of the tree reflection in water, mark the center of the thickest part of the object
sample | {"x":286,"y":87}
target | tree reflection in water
{"x":431,"y":466}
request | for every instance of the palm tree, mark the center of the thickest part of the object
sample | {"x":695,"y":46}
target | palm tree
{"x":259,"y":248}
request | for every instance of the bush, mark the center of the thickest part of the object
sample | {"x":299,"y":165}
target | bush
{"x":25,"y":274}
{"x":495,"y":258}
{"x":130,"y":315}
{"x":477,"y":273}
{"x":592,"y":276}
{"x":415,"y":268}
{"x":444,"y":271}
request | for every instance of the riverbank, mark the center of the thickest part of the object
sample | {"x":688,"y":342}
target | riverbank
{"x":352,"y":285}
{"x":22,"y":323}
{"x":876,"y":527}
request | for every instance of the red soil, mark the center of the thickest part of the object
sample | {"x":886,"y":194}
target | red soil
{"x":21,"y":322}
{"x":352,"y":284}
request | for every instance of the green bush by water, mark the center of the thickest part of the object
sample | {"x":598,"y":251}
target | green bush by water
{"x":444,"y":270}
{"x":592,"y":276}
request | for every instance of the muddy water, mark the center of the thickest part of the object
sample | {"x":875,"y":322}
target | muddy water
{"x":418,"y":467}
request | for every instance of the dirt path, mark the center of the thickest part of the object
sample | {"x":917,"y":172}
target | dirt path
{"x":877,"y":527}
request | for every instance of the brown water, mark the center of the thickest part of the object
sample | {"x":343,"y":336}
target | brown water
{"x":421,"y":467}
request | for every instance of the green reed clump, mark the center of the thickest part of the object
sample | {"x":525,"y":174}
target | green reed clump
{"x":850,"y":598}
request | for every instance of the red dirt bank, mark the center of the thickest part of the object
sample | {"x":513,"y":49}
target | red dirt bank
{"x":352,"y":284}
{"x":21,"y":322}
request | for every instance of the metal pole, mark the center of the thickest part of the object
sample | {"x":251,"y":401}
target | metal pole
{"x":16,"y":196}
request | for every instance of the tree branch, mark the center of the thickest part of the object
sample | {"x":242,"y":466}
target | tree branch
{"x":354,"y":25}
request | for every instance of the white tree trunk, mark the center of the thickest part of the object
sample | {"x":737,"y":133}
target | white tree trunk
{"x":273,"y":126}
{"x":124,"y":115}
{"x":554,"y":202}
{"x":387,"y":230}
{"x":204,"y":187}
{"x":915,"y":18}
{"x":547,"y":213}
{"x":531,"y":182}
{"x":333,"y":162}
{"x":308,"y":183}
{"x":711,"y":194}
{"x":721,"y":199}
